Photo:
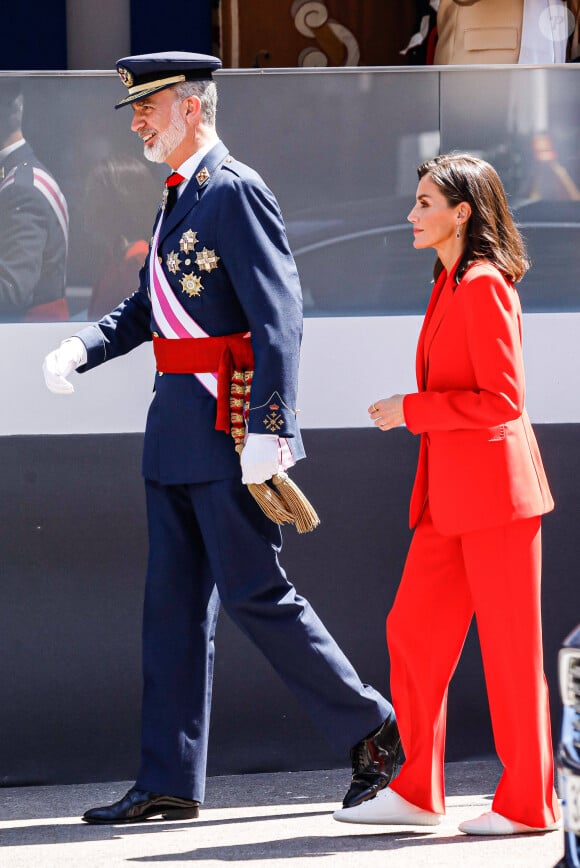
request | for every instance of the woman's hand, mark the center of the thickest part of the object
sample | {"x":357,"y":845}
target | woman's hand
{"x":388,"y":412}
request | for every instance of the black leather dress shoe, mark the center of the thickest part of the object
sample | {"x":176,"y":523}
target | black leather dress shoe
{"x":138,"y":805}
{"x":376,"y":760}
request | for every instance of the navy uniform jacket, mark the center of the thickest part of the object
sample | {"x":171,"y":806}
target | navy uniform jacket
{"x":249,"y":283}
{"x":33,"y":235}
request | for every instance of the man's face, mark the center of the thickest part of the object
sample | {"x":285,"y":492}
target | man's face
{"x":159,"y":122}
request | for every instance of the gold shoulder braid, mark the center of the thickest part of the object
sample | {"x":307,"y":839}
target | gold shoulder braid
{"x":285,"y":503}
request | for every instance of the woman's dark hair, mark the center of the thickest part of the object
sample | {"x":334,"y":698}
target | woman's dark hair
{"x":491,"y":233}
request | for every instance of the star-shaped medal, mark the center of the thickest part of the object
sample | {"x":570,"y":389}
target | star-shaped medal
{"x":173,"y":262}
{"x":188,"y":241}
{"x":206,"y":260}
{"x":191,"y":284}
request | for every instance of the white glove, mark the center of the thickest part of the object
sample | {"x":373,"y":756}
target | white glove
{"x":260,"y":459}
{"x":59,"y":364}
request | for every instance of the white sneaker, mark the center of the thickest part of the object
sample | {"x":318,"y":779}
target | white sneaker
{"x":492,"y":823}
{"x":388,"y":809}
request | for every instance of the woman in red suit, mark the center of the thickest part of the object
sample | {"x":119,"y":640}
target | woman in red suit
{"x":479,"y":492}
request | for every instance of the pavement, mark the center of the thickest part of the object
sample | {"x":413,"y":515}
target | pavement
{"x":279,"y":820}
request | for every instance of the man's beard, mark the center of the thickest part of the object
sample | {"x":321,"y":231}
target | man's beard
{"x":167,"y":141}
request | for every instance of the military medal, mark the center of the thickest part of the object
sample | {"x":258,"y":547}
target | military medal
{"x":164,"y":197}
{"x":188,"y":241}
{"x":173,"y":262}
{"x":206,"y":260}
{"x":191,"y":284}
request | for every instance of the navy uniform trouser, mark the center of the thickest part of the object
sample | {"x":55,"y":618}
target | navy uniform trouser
{"x":210,"y":542}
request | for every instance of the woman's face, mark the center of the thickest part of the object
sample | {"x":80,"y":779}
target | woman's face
{"x":434,"y":219}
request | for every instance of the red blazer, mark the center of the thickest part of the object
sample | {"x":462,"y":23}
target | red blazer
{"x":479,"y":462}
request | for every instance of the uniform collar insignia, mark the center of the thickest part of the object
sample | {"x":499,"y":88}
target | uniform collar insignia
{"x":202,"y":176}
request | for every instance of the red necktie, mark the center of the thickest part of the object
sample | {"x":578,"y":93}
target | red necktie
{"x":174,"y":179}
{"x":171,"y":184}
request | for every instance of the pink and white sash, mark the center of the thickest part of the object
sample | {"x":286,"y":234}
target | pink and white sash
{"x":46,"y":185}
{"x":171,"y":317}
{"x":173,"y":321}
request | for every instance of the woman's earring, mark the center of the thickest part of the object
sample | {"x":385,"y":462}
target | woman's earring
{"x":458,"y":233}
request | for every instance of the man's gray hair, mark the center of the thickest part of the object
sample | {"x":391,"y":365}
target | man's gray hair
{"x":206,"y":92}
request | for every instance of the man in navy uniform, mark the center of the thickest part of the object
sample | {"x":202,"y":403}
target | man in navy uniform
{"x":33,"y":224}
{"x":219,"y":280}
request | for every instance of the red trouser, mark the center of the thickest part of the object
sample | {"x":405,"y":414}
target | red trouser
{"x":496,"y":575}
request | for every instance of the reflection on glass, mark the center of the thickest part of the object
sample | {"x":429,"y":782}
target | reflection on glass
{"x":527,"y":124}
{"x":33,"y":223}
{"x":119,"y":207}
{"x":339,"y":147}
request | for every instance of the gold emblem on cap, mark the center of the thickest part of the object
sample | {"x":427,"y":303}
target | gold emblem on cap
{"x":126,"y":76}
{"x":191,"y":284}
{"x":173,"y":262}
{"x":206,"y":260}
{"x":202,"y":176}
{"x":188,"y":241}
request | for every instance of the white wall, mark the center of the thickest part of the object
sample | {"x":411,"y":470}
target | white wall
{"x":346,"y":364}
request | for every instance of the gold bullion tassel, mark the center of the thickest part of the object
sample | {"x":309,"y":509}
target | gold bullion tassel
{"x":304,"y":515}
{"x":285,"y":503}
{"x":270,"y":503}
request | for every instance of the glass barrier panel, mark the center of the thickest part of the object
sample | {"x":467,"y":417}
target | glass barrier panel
{"x":339,"y":148}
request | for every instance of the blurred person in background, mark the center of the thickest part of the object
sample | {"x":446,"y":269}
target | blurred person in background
{"x":119,"y":197}
{"x":506,"y":31}
{"x":33,"y":224}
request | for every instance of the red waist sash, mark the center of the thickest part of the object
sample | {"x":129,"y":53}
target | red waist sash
{"x":221,"y":355}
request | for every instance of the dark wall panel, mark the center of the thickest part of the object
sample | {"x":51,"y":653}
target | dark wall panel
{"x":183,"y":25}
{"x":33,"y":38}
{"x":73,"y":550}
